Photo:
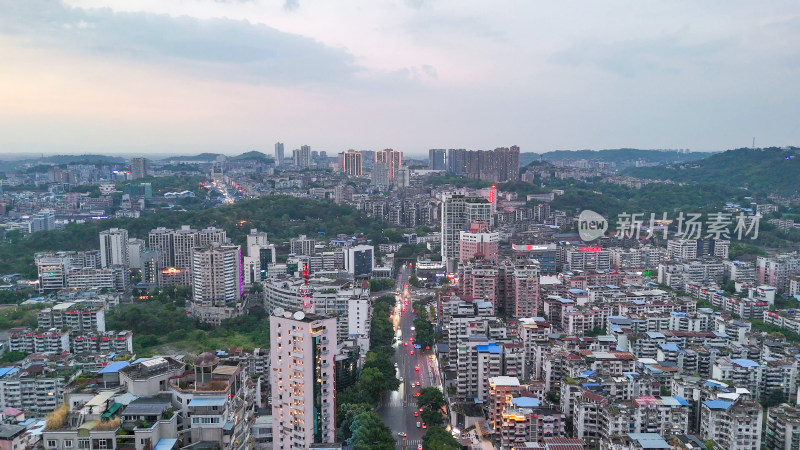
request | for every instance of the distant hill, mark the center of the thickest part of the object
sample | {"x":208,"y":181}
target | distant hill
{"x":621,"y":156}
{"x":11,"y":165}
{"x":200,"y":157}
{"x":759,"y":170}
{"x":255,"y":155}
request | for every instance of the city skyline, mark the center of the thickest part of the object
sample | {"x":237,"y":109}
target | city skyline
{"x":161,"y":77}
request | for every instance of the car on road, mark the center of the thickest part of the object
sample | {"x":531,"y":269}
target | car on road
{"x":405,"y":344}
{"x":416,"y":368}
{"x":401,"y":379}
{"x":417,"y":394}
{"x":395,"y":364}
{"x":412,"y":352}
{"x":416,"y":413}
{"x":419,"y":446}
{"x":424,"y":425}
{"x":419,"y":424}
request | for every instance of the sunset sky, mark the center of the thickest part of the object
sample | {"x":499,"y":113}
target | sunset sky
{"x":186,"y":76}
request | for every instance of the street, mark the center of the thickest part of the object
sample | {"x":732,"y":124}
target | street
{"x":399,"y":407}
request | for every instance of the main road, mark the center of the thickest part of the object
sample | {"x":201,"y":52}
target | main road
{"x":413,"y":366}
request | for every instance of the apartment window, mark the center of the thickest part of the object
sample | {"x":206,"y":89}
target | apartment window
{"x":84,"y":444}
{"x":68,"y":443}
{"x":52,"y":444}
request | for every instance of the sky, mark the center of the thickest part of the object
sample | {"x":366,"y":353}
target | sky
{"x":228,"y":76}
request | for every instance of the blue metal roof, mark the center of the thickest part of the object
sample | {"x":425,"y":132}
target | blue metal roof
{"x":488,"y":348}
{"x":745,"y":362}
{"x":718,"y":404}
{"x":669,"y":347}
{"x":213,"y":401}
{"x":165,"y":444}
{"x":115,"y":367}
{"x":525,"y":402}
{"x":6,"y":370}
{"x":649,"y":440}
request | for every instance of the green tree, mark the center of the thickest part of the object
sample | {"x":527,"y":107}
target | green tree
{"x":437,"y":438}
{"x":424,"y":333}
{"x":346,"y":416}
{"x":380,"y":284}
{"x":729,"y":286}
{"x":774,"y":398}
{"x":368,"y":432}
{"x":12,"y":357}
{"x":431,"y":398}
{"x":372,"y":383}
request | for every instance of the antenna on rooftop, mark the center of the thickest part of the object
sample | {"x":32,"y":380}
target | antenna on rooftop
{"x":754,"y":143}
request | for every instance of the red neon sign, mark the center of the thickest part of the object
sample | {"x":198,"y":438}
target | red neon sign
{"x":591,"y":249}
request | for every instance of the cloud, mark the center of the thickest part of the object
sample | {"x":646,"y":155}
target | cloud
{"x":417,"y":4}
{"x":635,"y":57}
{"x":219,"y":48}
{"x":291,"y":5}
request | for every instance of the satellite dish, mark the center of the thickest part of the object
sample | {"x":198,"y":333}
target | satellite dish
{"x":287,"y":314}
{"x":278,"y":311}
{"x":299,"y":315}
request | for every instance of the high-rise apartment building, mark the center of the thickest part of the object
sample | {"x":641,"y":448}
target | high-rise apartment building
{"x":392,"y":158}
{"x":44,"y":220}
{"x":302,"y":157}
{"x":478,"y":242}
{"x":161,"y":240}
{"x":303,"y":373}
{"x":367,"y":159}
{"x":138,"y":168}
{"x":278,"y":153}
{"x":114,"y":248}
{"x":380,"y":174}
{"x":360,"y":260}
{"x":733,"y":425}
{"x":216,"y":282}
{"x":302,"y":245}
{"x":351,"y":163}
{"x":257,"y":238}
{"x":260,"y":254}
{"x":459,"y":211}
{"x":436,"y":159}
{"x":499,"y":165}
{"x":184,"y":241}
{"x":211,"y":235}
{"x":402,"y":178}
